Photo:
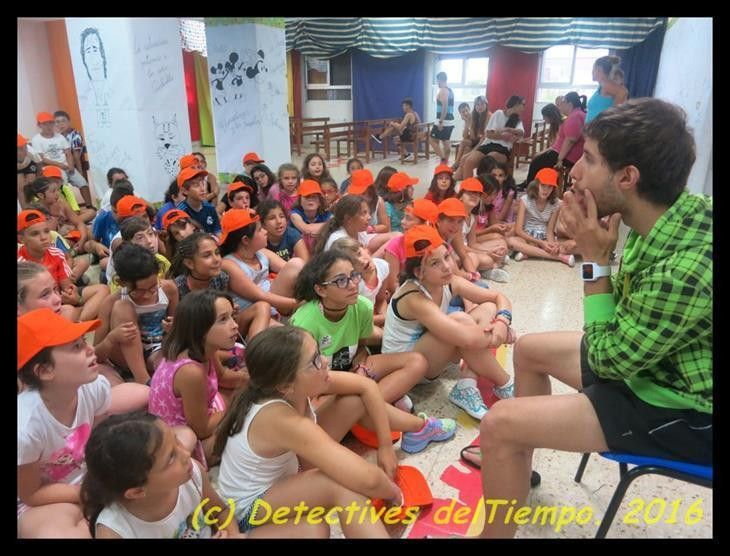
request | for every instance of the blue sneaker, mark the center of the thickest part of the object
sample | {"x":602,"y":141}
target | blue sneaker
{"x":435,"y":430}
{"x":504,"y":392}
{"x":470,"y":400}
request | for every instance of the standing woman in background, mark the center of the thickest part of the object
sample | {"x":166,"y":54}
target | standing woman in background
{"x":611,"y":91}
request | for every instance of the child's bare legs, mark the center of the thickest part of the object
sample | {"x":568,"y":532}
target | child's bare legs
{"x":54,"y":521}
{"x":484,"y":362}
{"x":481,"y":260}
{"x":79,"y":266}
{"x":316,"y":489}
{"x":111,"y":374}
{"x":470,"y":162}
{"x":287,"y":277}
{"x":254,"y":319}
{"x":91,"y":299}
{"x":132,"y":352}
{"x":291,"y":530}
{"x":377,"y":244}
{"x":186,"y":436}
{"x":568,"y":247}
{"x":376,"y":338}
{"x":129,"y":397}
{"x":519,"y":244}
{"x":397,"y":373}
{"x":70,"y":312}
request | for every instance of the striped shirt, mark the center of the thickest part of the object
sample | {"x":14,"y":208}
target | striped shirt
{"x":53,"y":259}
{"x":655,"y":330}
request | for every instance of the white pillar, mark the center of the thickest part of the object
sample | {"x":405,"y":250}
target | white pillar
{"x":131,"y":89}
{"x":248,"y":91}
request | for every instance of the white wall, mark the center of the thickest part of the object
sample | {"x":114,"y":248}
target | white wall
{"x":685,"y":78}
{"x":36,"y":85}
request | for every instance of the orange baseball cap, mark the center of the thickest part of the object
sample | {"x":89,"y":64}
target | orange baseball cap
{"x":252,"y":157}
{"x":236,"y":185}
{"x":73,"y":235}
{"x":547,"y":176}
{"x":129,"y":205}
{"x":188,"y":174}
{"x":28,"y":218}
{"x":424,"y":209}
{"x":370,"y":438}
{"x":187,"y":161}
{"x":421,"y":240}
{"x":361,"y":180}
{"x":309,"y":187}
{"x":42,"y":328}
{"x":172,"y":216}
{"x":44,"y":117}
{"x":22,"y":141}
{"x":452,"y":207}
{"x":413,"y":486}
{"x":400,"y":180}
{"x":442,"y":168}
{"x":52,"y":172}
{"x":472,"y":184}
{"x":235,"y":219}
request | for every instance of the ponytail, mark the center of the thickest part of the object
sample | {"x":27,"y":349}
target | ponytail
{"x":349,"y":205}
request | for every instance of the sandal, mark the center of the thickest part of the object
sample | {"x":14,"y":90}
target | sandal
{"x":470,"y":450}
{"x":535,"y":477}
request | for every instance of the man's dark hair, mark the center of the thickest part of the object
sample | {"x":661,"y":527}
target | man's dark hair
{"x":61,"y":114}
{"x":652,"y":135}
{"x":408,"y":101}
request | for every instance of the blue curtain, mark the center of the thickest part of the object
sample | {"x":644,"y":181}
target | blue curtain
{"x":380,"y":84}
{"x":641,"y":63}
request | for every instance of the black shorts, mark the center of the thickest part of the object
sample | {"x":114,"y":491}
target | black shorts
{"x":406,"y":136}
{"x":443,"y":134}
{"x":633,"y":426}
{"x":494,"y":147}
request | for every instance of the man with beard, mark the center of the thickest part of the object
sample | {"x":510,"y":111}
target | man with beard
{"x":643,"y":363}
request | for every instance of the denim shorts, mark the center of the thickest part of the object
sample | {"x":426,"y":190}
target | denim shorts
{"x":243,"y":524}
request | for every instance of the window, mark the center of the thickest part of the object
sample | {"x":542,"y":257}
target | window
{"x":563,"y":69}
{"x":467,"y":77}
{"x":329,"y":79}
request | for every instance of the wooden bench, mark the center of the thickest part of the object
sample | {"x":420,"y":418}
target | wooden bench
{"x":526,"y":149}
{"x":422,"y":134}
{"x":339,"y":132}
{"x":301,"y":127}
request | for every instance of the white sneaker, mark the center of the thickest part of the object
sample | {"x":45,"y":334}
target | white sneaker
{"x":404,"y":404}
{"x":520,"y":256}
{"x":570,"y":261}
{"x":408,"y":157}
{"x":376,"y":138}
{"x":507,"y":260}
{"x":497,"y":275}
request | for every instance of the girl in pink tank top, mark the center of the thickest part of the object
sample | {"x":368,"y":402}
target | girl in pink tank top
{"x":203,"y":324}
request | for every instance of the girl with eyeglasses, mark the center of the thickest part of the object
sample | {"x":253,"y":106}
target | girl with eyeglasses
{"x":143,"y":299}
{"x":341,"y":321}
{"x":278,"y":451}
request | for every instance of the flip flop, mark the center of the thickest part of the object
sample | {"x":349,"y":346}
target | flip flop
{"x":469,"y":449}
{"x":535,"y":478}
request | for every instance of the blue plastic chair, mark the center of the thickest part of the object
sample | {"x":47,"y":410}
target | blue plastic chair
{"x":691,"y":473}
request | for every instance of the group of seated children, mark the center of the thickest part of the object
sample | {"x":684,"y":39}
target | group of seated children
{"x":256,"y":331}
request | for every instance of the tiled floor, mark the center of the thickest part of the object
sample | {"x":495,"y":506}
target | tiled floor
{"x":545,"y":296}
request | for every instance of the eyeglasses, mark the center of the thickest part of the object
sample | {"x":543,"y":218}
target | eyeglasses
{"x":150,"y":291}
{"x":319,"y":362}
{"x":343,"y":282}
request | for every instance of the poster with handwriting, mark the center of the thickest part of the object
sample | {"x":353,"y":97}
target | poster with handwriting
{"x":130,"y":81}
{"x":247,"y":76}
